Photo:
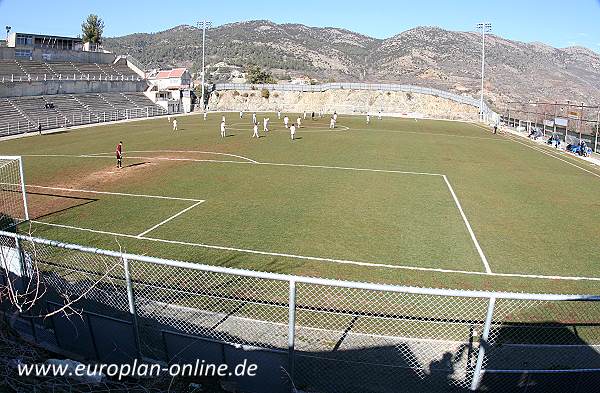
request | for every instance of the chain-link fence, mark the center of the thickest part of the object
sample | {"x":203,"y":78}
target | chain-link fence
{"x":571,"y":122}
{"x":35,"y":124}
{"x":313,"y":334}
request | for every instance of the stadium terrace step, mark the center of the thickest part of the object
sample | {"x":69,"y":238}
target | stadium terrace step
{"x":24,"y":114}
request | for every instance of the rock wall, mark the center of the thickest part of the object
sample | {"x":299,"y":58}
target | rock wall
{"x":343,"y":101}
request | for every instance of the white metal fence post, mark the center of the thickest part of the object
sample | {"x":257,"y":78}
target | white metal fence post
{"x":132,"y":309}
{"x":291,"y":327}
{"x":26,"y":210}
{"x":483,"y":342}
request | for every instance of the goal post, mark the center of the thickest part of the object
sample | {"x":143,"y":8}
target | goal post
{"x":13,"y":197}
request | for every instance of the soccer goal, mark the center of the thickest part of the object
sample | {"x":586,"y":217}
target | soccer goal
{"x":13,"y":198}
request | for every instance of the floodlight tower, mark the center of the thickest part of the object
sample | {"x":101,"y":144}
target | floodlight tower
{"x":8,"y":29}
{"x":485,"y":27}
{"x":204,"y":24}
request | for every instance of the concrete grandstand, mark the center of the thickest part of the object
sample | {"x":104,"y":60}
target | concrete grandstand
{"x":44,"y":87}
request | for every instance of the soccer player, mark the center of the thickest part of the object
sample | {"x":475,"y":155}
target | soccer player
{"x":254,"y":118}
{"x":223,"y":128}
{"x":119,"y":154}
{"x":205,"y":113}
{"x":255,"y":129}
{"x":241,"y":114}
{"x":312,"y":116}
{"x":293,"y":131}
{"x":332,"y":123}
{"x":299,"y":122}
{"x":286,"y":120}
{"x":266,"y":124}
{"x":379,"y":115}
{"x":169,"y":119}
{"x":304,"y":115}
{"x":335,"y":116}
{"x":278,"y":114}
{"x":368,"y":119}
{"x":174,"y":124}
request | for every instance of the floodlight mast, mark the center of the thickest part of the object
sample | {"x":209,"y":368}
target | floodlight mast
{"x":485,"y":27}
{"x":203,"y":24}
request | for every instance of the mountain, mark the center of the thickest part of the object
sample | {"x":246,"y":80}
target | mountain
{"x":426,"y":56}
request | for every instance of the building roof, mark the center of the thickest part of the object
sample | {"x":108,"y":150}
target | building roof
{"x":174,"y":73}
{"x":78,"y":39}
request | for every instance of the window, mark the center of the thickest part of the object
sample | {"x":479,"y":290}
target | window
{"x":23,"y":53}
{"x":24,"y":40}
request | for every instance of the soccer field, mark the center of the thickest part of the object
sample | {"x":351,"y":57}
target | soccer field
{"x":426,"y":203}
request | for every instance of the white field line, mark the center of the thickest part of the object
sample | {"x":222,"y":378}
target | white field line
{"x":169,"y":219}
{"x":115,"y":193}
{"x":464,"y":217}
{"x":543,"y":151}
{"x":431,"y":133}
{"x":469,"y":229}
{"x":181,"y":151}
{"x":320,"y":259}
{"x":263,"y":163}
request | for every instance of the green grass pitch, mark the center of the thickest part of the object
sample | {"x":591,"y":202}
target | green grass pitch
{"x":362,"y":202}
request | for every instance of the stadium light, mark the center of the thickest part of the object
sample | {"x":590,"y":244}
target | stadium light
{"x":203,"y":24}
{"x":485,"y":28}
{"x":8,"y":29}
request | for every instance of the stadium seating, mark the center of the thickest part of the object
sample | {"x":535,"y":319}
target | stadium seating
{"x":62,"y":69}
{"x":10,"y":118}
{"x":21,"y":70}
{"x":72,"y":109}
{"x":36,"y":69}
{"x":95,"y":103}
{"x":10,"y":70}
{"x":35,"y":109}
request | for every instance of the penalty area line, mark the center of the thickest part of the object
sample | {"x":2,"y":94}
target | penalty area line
{"x":114,"y":193}
{"x":321,"y":259}
{"x":466,"y":221}
{"x":168,"y":219}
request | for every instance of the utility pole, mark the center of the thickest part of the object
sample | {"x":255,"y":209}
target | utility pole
{"x":203,"y":24}
{"x":485,"y":28}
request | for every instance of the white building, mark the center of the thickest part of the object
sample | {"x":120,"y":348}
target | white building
{"x":175,"y":79}
{"x":171,"y":89}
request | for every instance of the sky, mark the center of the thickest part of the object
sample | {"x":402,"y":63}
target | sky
{"x":554,"y":22}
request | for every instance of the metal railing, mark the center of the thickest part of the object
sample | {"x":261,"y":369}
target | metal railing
{"x":77,"y":119}
{"x":69,"y":77}
{"x":327,"y":335}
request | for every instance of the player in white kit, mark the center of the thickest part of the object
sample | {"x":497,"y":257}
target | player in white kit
{"x":266,"y":124}
{"x":299,"y":122}
{"x":293,"y":131}
{"x":255,"y":131}
{"x":223,"y":129}
{"x":286,"y":120}
{"x":332,"y":123}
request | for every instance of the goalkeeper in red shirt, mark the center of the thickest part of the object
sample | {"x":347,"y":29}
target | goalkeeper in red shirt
{"x":119,"y":154}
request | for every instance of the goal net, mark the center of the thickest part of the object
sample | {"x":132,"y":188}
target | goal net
{"x":13,"y":199}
